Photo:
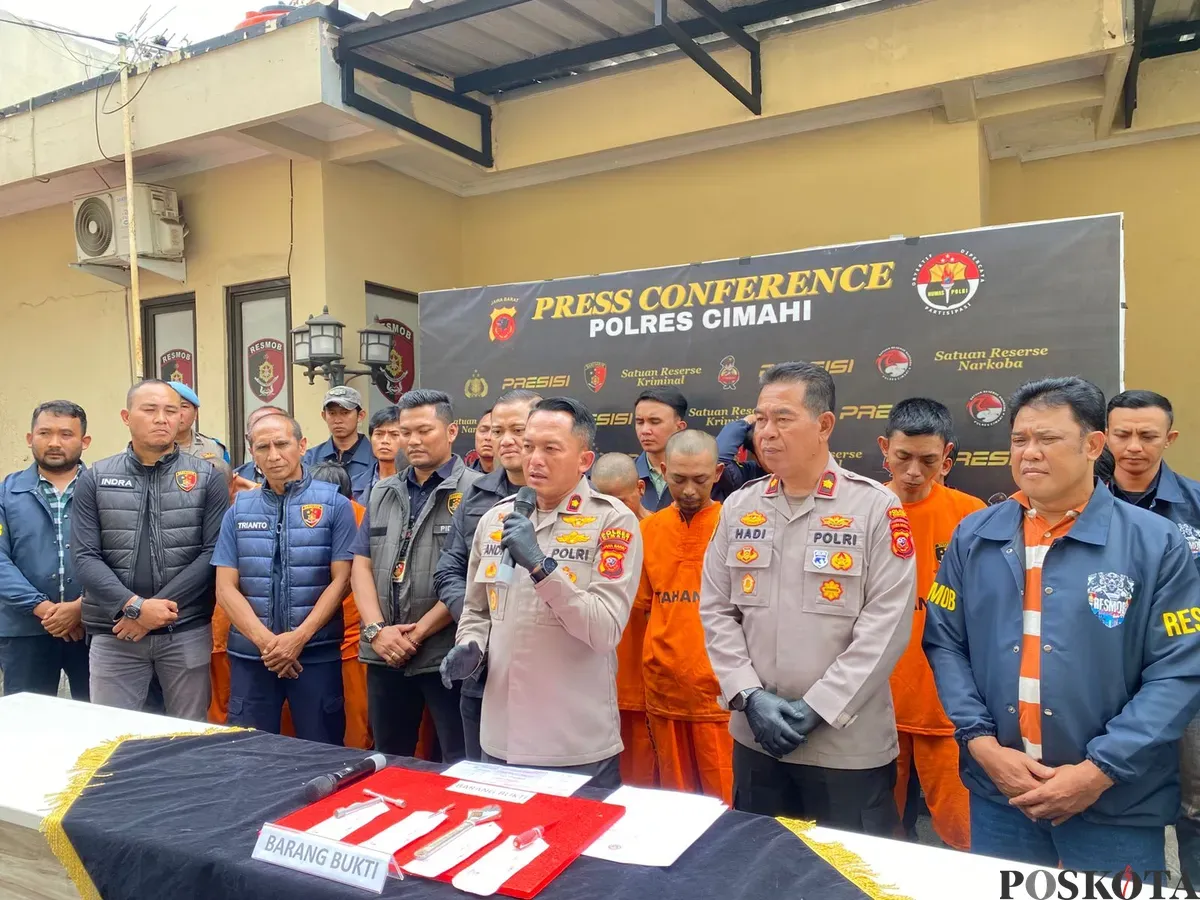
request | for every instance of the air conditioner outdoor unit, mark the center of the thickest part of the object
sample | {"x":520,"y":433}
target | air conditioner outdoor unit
{"x":102,"y":225}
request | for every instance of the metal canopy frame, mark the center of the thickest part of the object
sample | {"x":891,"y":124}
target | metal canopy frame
{"x":1152,"y":43}
{"x":666,"y":32}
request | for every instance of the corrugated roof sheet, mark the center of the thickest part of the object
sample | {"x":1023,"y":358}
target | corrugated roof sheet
{"x":535,"y":28}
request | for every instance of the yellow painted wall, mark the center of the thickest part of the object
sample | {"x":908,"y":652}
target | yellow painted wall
{"x":909,"y":174}
{"x":1155,"y":186}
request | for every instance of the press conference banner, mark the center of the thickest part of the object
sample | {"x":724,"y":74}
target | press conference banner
{"x":963,"y":318}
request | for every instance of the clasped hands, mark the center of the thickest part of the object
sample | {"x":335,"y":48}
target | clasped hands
{"x":1054,"y":793}
{"x":779,"y":725}
{"x":61,"y":620}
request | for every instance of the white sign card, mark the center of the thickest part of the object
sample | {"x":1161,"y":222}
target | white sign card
{"x":540,"y":781}
{"x":491,"y":791}
{"x":325,"y":858}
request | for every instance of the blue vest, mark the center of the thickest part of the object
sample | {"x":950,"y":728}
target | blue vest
{"x":301,"y":523}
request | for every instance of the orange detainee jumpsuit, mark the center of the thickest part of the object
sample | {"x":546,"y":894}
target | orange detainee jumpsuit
{"x":926,"y":734}
{"x":689,"y":728}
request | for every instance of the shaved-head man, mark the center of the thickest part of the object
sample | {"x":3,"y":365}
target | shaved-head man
{"x":689,"y":729}
{"x":616,"y":475}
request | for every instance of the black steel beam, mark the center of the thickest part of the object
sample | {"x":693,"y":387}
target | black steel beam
{"x":1167,"y":40}
{"x":530,"y":71}
{"x":414,"y":24}
{"x":1143,"y":12}
{"x":751,"y":99}
{"x":353,"y":62}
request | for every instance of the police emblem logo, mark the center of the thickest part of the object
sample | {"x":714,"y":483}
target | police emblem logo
{"x":842,"y":561}
{"x":1191,"y":534}
{"x":837,"y":521}
{"x":503,"y":319}
{"x":186,"y":480}
{"x":902,"y":542}
{"x":747,"y":554}
{"x":946,"y":282}
{"x":496,"y":535}
{"x":452,"y":502}
{"x":493,"y":598}
{"x":266,"y":366}
{"x":311,"y":514}
{"x":572,"y":537}
{"x":566,"y":570}
{"x":831,"y":590}
{"x":1109,"y":596}
{"x":595,"y":374}
{"x":490,"y":570}
{"x":475,"y":386}
{"x":613,"y":547}
{"x":748,"y":583}
{"x":820,"y":558}
{"x":579,"y":521}
{"x":398,"y":572}
{"x":574,"y":503}
{"x":753,"y":519}
{"x":939,"y":550}
{"x":827,"y":484}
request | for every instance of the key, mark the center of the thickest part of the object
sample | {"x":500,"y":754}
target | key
{"x":474,"y":817}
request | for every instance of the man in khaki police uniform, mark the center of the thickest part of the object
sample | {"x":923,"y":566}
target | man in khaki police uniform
{"x":551,"y":635}
{"x":807,"y":602}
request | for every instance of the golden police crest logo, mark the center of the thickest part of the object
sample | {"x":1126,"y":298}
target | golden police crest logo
{"x":579,"y":521}
{"x":503,"y":319}
{"x":476,"y":387}
{"x":186,"y":480}
{"x":496,"y":535}
{"x":493,"y":598}
{"x":453,"y":501}
{"x":748,"y":583}
{"x":753,"y":518}
{"x":490,"y":571}
{"x":566,"y":570}
{"x":842,"y":561}
{"x":746,"y":555}
{"x":572,"y":537}
{"x":311,"y":514}
{"x":837,"y":521}
{"x":831,"y":590}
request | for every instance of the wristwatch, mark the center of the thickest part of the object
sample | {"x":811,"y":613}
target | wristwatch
{"x":544,"y":569}
{"x":370,"y":632}
{"x":738,"y":702}
{"x":134,"y":609}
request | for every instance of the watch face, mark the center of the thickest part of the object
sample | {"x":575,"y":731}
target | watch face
{"x":132,"y":612}
{"x":549,"y":564}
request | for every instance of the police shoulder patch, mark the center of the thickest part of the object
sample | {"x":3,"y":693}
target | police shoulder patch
{"x":186,"y":479}
{"x":453,"y":501}
{"x":311,"y":514}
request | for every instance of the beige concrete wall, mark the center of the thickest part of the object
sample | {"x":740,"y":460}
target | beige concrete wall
{"x":910,"y":174}
{"x":1155,"y":186}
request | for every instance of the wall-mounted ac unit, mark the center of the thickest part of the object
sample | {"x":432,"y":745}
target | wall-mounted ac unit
{"x":102,"y":225}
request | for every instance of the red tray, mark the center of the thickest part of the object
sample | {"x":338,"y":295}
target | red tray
{"x":575,"y":822}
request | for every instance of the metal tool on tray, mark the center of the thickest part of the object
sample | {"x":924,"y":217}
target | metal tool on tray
{"x":474,"y":817}
{"x":393,"y":801}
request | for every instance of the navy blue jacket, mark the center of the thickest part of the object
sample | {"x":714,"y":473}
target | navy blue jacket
{"x":1177,"y":499}
{"x":317,"y":529}
{"x":651,"y":499}
{"x":358,"y":466}
{"x":729,"y":442}
{"x":1120,"y":667}
{"x":29,"y":555}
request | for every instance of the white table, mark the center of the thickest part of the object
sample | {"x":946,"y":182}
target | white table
{"x":42,"y":737}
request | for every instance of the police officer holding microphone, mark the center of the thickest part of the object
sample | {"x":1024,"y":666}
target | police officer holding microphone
{"x":552,"y":629}
{"x":807,"y":601}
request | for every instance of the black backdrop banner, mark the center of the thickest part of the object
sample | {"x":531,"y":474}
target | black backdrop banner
{"x":963,"y":318}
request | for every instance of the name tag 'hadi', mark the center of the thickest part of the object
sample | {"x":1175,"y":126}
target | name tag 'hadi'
{"x":1109,"y":596}
{"x":325,"y":858}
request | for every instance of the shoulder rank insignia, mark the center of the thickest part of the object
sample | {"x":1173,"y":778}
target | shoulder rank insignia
{"x":574,"y":503}
{"x":827,"y":485}
{"x":772,"y":487}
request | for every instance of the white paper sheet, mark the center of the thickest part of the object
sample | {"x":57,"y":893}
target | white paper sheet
{"x":556,"y":784}
{"x":336,"y":829}
{"x":462,"y":847}
{"x":658,"y":826}
{"x":489,"y":873}
{"x":491,"y":791}
{"x":415,"y":825}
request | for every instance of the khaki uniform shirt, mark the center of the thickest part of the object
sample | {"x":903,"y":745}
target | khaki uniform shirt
{"x":551,"y":694}
{"x":204,"y":447}
{"x":814,"y":604}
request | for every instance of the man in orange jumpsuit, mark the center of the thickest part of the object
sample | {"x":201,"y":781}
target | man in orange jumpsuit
{"x":918,"y":442}
{"x":690,"y":730}
{"x":615,"y":474}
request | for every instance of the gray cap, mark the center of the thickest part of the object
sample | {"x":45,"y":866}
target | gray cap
{"x":345,"y":397}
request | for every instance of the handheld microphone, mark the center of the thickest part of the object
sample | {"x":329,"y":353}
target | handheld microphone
{"x":526,"y":498}
{"x":324,"y":785}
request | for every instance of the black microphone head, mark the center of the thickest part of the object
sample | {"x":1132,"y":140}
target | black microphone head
{"x":526,"y":500}
{"x":320,"y":787}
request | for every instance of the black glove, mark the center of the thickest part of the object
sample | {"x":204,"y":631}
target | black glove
{"x":520,"y":540}
{"x":775,"y":723}
{"x":460,"y":663}
{"x":808,"y":717}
